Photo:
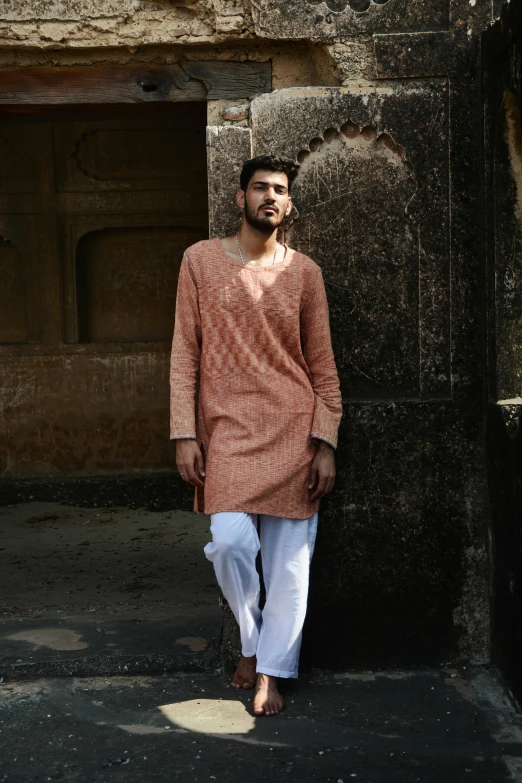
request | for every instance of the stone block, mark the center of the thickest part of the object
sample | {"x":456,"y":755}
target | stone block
{"x":235,"y":113}
{"x":400,"y":570}
{"x":373,"y":199}
{"x":338,"y":19}
{"x":227,"y":148}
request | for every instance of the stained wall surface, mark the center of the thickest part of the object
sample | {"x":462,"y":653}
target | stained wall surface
{"x":374,"y":201}
{"x":388,"y":202}
{"x":379,"y":102}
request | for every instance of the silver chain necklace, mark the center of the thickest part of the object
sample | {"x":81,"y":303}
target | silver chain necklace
{"x":241,"y":254}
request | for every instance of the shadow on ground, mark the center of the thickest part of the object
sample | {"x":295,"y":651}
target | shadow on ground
{"x":97,"y":590}
{"x":380,"y":727}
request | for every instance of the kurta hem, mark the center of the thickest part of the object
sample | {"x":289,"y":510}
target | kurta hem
{"x":267,"y":510}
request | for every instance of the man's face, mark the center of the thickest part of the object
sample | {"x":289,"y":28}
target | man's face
{"x":266,"y":201}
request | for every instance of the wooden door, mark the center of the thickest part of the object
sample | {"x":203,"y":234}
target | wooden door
{"x":96,"y":207}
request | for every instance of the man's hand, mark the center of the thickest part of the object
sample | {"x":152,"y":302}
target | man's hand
{"x":322,"y":472}
{"x":189,"y":461}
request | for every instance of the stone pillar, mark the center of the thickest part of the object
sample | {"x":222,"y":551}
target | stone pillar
{"x":227,"y":147}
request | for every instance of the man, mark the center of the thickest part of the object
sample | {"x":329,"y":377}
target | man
{"x":252,"y":320}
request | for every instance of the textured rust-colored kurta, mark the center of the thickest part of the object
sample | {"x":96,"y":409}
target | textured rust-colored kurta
{"x":260,"y":339}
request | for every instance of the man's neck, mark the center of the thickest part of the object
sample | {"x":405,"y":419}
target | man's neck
{"x":254,"y":244}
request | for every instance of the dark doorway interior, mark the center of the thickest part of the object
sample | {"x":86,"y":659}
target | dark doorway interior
{"x":96,"y":207}
{"x":100,"y":571}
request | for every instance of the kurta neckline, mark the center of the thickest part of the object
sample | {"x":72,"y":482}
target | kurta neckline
{"x":288,"y":257}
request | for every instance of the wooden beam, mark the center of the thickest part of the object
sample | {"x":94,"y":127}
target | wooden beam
{"x":184,"y":81}
{"x":230,"y":79}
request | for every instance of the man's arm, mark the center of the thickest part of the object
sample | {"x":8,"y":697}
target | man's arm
{"x":317,"y":350}
{"x":184,"y":367}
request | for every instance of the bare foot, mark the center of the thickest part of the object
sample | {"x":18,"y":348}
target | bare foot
{"x":245,"y":674}
{"x":267,"y":699}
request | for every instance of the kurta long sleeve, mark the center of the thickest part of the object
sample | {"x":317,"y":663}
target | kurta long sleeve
{"x":268,"y":385}
{"x":318,"y":354}
{"x":186,"y":348}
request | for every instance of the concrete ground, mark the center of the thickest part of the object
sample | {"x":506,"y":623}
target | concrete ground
{"x":95,"y":590}
{"x":382,"y":727}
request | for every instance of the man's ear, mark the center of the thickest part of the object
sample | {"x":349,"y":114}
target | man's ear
{"x":289,"y":206}
{"x":240,"y":198}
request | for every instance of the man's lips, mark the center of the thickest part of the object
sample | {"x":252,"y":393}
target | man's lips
{"x":269,"y":209}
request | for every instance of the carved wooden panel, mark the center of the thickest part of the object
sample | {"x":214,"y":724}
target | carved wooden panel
{"x":63,"y":177}
{"x":13,"y":295}
{"x":120,"y":246}
{"x":126,"y":280}
{"x":21,"y":148}
{"x":96,"y":208}
{"x":120,"y":272}
{"x":130,"y":155}
{"x":19,"y":279}
{"x":374,"y":213}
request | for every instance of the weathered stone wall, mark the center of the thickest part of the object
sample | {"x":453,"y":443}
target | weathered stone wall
{"x":379,"y":101}
{"x":113,"y":23}
{"x":388,"y":203}
{"x":374,"y":201}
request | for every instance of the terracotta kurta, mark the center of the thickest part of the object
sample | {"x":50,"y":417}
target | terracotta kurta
{"x":260,"y":338}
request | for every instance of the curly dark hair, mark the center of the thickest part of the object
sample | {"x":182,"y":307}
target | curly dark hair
{"x":268,"y":163}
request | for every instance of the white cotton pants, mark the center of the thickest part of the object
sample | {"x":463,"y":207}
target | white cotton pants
{"x":287,"y":545}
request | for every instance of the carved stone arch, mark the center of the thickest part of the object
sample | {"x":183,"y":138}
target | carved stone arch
{"x":340,"y":19}
{"x":337,"y":6}
{"x":353,"y":192}
{"x":384,"y":244}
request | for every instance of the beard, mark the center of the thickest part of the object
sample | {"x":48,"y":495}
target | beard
{"x":265,"y":224}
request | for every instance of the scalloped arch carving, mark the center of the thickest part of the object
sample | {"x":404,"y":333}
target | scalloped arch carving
{"x":353,"y":192}
{"x":338,"y":6}
{"x":350,"y":130}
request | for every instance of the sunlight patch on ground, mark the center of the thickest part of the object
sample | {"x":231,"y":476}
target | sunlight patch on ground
{"x":215,"y":718}
{"x":194,"y":643}
{"x":53,"y":638}
{"x":210,"y":716}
